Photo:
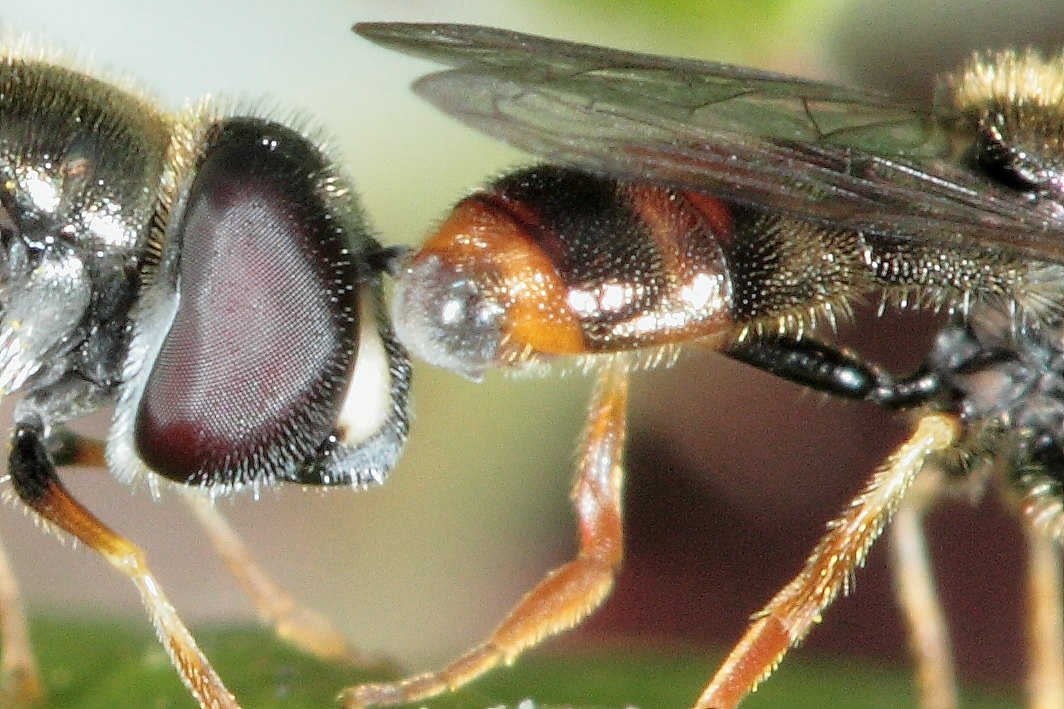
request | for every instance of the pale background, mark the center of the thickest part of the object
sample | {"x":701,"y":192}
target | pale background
{"x":477,"y":510}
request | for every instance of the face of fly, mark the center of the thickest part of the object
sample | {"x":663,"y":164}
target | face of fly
{"x":211,"y":276}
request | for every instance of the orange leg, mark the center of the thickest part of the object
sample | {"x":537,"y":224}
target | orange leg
{"x":20,"y":683}
{"x":914,"y":587}
{"x":34,"y":478}
{"x":301,"y":626}
{"x":790,"y":615}
{"x":1045,"y":625}
{"x":566,"y":595}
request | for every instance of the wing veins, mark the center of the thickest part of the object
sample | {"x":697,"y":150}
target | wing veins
{"x":844,"y":158}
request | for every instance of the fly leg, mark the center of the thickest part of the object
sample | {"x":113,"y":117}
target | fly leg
{"x":789,"y":616}
{"x":1045,"y":625}
{"x":917,"y":596}
{"x":20,"y":682}
{"x":570,"y":592}
{"x":301,"y":626}
{"x":34,"y":478}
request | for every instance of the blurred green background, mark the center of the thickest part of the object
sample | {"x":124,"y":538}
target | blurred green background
{"x":733,"y":475}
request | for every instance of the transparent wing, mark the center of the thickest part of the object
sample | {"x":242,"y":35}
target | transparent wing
{"x":849,"y":158}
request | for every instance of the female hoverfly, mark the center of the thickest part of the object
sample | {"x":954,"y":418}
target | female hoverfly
{"x":684,"y":201}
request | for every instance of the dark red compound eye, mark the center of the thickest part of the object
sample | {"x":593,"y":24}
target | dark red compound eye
{"x":251,"y":375}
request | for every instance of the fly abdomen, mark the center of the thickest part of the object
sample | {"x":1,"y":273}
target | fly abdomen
{"x":551,"y":261}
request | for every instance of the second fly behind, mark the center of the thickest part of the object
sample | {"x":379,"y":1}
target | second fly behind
{"x":692,"y":202}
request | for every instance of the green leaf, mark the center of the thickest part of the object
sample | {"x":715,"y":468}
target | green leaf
{"x":104,"y":665}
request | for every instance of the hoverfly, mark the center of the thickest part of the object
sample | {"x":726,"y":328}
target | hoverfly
{"x":685,"y":201}
{"x":210,"y":276}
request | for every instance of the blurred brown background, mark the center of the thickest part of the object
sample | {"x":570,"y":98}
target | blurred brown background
{"x":732,"y":474}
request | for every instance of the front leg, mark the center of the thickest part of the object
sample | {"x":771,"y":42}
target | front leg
{"x":570,"y":592}
{"x":294,"y":623}
{"x":20,"y":683}
{"x":33,"y":476}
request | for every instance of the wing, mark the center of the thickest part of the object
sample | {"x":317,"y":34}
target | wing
{"x":843,"y":157}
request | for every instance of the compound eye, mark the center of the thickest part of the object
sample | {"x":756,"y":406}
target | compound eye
{"x":250,"y":378}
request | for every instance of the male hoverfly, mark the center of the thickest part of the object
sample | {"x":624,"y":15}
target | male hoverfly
{"x":212,"y":278}
{"x":685,"y":201}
